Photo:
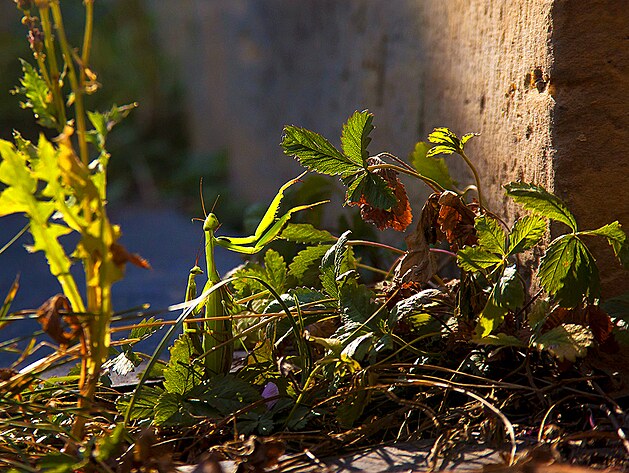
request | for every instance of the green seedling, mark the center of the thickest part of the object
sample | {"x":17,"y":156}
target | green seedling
{"x":214,"y":339}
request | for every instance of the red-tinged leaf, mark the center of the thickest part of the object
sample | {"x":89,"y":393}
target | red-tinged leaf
{"x":456,"y":220}
{"x":592,"y":316}
{"x":400,"y":215}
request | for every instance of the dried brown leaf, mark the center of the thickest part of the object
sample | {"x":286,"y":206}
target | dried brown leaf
{"x":418,"y":264}
{"x":58,"y":321}
{"x":456,"y":220}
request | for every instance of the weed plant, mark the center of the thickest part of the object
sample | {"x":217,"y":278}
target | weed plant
{"x":326,"y":361}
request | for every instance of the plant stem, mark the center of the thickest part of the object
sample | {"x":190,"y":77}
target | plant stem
{"x":476,"y":177}
{"x":431,"y":183}
{"x":76,"y":83}
{"x":53,"y":79}
{"x":376,"y":245}
{"x":87,"y":35}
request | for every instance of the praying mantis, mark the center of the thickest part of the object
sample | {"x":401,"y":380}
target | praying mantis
{"x":212,"y":339}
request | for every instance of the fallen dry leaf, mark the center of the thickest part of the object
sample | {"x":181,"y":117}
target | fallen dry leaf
{"x":57,"y":320}
{"x":121,"y":256}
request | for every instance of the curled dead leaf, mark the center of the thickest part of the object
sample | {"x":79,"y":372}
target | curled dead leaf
{"x":456,"y":220}
{"x":418,"y":264}
{"x":398,"y":217}
{"x":58,"y":321}
{"x":121,"y":256}
{"x":591,"y":316}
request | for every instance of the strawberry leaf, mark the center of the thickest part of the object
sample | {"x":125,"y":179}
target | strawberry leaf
{"x":526,"y":233}
{"x":541,"y":202}
{"x":355,"y":137}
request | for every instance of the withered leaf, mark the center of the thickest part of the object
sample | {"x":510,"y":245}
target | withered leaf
{"x":592,"y":316}
{"x":57,"y":320}
{"x":456,"y":220}
{"x":418,"y":264}
{"x":121,"y":256}
{"x":398,"y":217}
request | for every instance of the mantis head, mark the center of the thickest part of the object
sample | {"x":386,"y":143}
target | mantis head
{"x":211,"y":223}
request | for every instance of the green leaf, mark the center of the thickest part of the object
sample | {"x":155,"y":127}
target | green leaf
{"x":59,"y":463}
{"x":491,"y":236}
{"x":444,"y":136}
{"x":108,"y":446}
{"x":170,"y":410}
{"x":501,"y":340}
{"x":145,"y":328}
{"x":276,"y":270}
{"x":526,"y":233}
{"x":357,"y":305}
{"x":355,"y":137}
{"x":316,"y":153}
{"x":567,"y":341}
{"x":568,"y":271}
{"x":372,"y":188}
{"x":226,"y":394}
{"x":474,"y":258}
{"x":509,"y":291}
{"x":433,"y":168}
{"x":306,"y":233}
{"x":38,"y":96}
{"x":182,"y":373}
{"x":540,"y":201}
{"x":440,"y":149}
{"x":245,"y":285}
{"x":491,"y":317}
{"x":306,"y":260}
{"x":332,"y":264}
{"x":617,"y":239}
{"x":465,"y":138}
{"x":144,"y":404}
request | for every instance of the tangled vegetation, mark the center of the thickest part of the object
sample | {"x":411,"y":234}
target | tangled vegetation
{"x":449,"y":342}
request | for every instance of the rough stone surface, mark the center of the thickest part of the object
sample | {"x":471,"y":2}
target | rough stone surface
{"x":590,"y":78}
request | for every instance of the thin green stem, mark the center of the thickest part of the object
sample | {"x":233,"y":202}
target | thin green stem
{"x":89,"y":27}
{"x":476,"y":176}
{"x":54,"y":76}
{"x":75,"y":82}
{"x":434,"y":185}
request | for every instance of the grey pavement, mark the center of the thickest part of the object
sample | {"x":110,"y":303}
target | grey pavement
{"x":169,"y":240}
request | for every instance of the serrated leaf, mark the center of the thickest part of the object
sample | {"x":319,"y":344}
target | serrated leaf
{"x":616,"y":238}
{"x":331,"y":265}
{"x":370,"y":187}
{"x":306,"y":259}
{"x":474,"y":258}
{"x":540,"y":201}
{"x":491,"y":317}
{"x":526,"y":233}
{"x":443,"y":135}
{"x":123,"y":364}
{"x":245,"y":285}
{"x":170,"y":411}
{"x":357,"y":305}
{"x":226,"y":394}
{"x":567,"y":341}
{"x":355,"y":137}
{"x":509,"y":291}
{"x":440,"y":149}
{"x":316,"y":153}
{"x":568,"y":271}
{"x":145,"y":328}
{"x":433,"y":168}
{"x":144,"y":405}
{"x":491,"y":236}
{"x":306,"y":233}
{"x":275,"y":269}
{"x":466,"y":137}
{"x":38,"y":96}
{"x":182,"y":373}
